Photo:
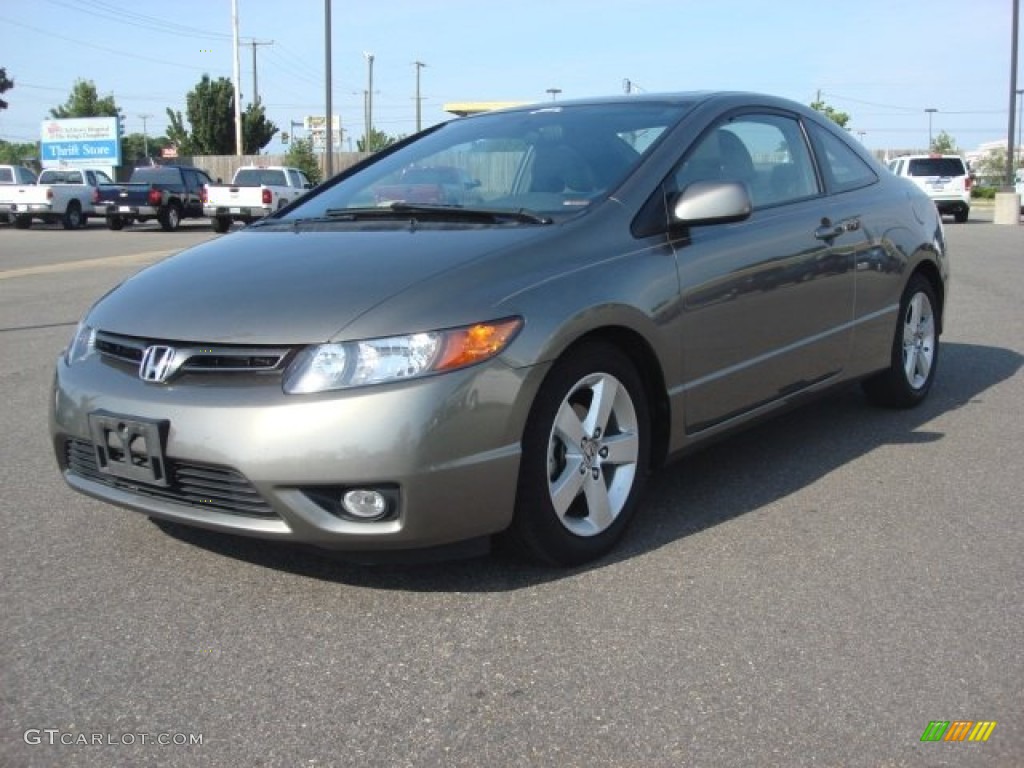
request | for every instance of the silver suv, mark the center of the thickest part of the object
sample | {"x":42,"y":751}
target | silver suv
{"x":943,"y":177}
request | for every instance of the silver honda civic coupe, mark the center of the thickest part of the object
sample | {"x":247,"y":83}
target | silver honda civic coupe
{"x":399,"y":361}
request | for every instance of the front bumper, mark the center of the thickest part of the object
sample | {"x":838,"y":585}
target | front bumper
{"x":448,"y":445}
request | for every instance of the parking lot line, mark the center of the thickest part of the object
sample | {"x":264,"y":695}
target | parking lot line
{"x":106,"y":261}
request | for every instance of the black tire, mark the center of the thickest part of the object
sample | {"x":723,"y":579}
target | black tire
{"x":579,"y":479}
{"x":115,"y":222}
{"x":220,"y":224}
{"x":915,"y":350}
{"x":961,"y":215}
{"x":170,"y":217}
{"x":72,"y":218}
{"x":22,"y":222}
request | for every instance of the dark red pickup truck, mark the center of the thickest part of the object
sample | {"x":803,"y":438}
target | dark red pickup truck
{"x":167,"y":193}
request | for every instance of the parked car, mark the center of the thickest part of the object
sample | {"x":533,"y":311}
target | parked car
{"x":254,"y":192}
{"x":643,"y":274}
{"x":62,"y":195}
{"x":12,"y":176}
{"x":167,"y":193}
{"x":944,"y":178}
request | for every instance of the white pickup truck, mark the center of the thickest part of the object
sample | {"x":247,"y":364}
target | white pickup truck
{"x":60,"y":194}
{"x":255,"y":192}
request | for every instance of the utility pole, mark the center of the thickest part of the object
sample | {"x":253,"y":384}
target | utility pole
{"x":328,"y":136}
{"x":369,"y":103}
{"x":554,"y":92}
{"x":145,"y":135}
{"x":419,"y":102}
{"x":255,"y":87}
{"x":238,"y":84}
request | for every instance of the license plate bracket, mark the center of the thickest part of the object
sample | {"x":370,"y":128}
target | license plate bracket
{"x":130,"y":447}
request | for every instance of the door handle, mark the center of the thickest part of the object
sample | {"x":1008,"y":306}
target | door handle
{"x":830,"y":231}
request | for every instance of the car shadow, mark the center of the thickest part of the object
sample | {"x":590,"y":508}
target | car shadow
{"x":722,"y":481}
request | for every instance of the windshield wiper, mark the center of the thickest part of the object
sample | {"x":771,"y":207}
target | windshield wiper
{"x":438,"y":212}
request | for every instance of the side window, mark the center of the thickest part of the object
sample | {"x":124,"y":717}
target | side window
{"x":768,"y":153}
{"x":843,"y":168}
{"x":90,"y":179}
{"x":102,"y":178}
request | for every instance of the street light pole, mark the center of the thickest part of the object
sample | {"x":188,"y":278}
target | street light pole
{"x":328,"y":128}
{"x":1019,"y":156}
{"x":554,"y":92}
{"x":931,"y":111}
{"x":145,"y":134}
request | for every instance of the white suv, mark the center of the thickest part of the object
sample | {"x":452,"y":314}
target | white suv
{"x":944,"y":177}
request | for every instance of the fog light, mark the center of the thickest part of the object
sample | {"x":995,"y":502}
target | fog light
{"x":365,"y":504}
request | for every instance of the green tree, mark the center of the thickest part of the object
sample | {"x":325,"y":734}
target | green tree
{"x":300,"y":155}
{"x":210,"y":110}
{"x":257,"y":131}
{"x":837,"y":117}
{"x":944,"y":144}
{"x":378,"y":140}
{"x":84,"y":101}
{"x":17,"y":153}
{"x":5,"y":85}
{"x":134,"y":147}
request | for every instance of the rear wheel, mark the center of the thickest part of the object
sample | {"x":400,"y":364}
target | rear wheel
{"x":220,"y":224}
{"x":961,"y":215}
{"x":115,"y":222}
{"x":585,"y":457}
{"x":915,"y":351}
{"x":72,"y":218}
{"x":22,"y":222}
{"x":170,"y":217}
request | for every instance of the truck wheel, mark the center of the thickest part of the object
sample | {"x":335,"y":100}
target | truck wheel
{"x":72,"y":218}
{"x":115,"y":222}
{"x":221,"y":224}
{"x":170,"y":218}
{"x":22,"y":222}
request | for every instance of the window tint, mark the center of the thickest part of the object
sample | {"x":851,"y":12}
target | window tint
{"x":254,"y":177}
{"x":102,"y":178}
{"x":6,"y":176}
{"x":937,"y":166}
{"x":25,"y":176}
{"x":157,"y":175}
{"x":768,"y":153}
{"x":841,"y":165}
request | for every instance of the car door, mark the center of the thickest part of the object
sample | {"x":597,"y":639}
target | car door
{"x":766,"y":302}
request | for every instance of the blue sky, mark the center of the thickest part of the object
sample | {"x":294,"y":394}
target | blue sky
{"x":882,"y":61}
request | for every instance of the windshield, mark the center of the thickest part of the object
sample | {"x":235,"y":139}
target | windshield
{"x":551,"y":160}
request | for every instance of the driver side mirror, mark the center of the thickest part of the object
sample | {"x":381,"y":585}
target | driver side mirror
{"x":711,"y":202}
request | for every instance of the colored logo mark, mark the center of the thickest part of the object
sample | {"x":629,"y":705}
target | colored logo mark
{"x":958,"y":730}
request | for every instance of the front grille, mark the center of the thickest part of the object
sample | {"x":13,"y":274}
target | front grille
{"x":198,"y":485}
{"x":194,"y":357}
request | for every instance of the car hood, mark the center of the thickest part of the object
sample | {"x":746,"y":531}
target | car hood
{"x":274,"y":287}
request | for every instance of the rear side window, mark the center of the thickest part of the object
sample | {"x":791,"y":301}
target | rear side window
{"x":6,"y":176}
{"x":937,"y":166}
{"x":843,"y":168}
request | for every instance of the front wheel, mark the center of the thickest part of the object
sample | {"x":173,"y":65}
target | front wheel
{"x":915,"y":351}
{"x":585,"y":457}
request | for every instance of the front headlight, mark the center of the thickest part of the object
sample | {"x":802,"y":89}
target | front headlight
{"x":348,"y":364}
{"x":82,"y":345}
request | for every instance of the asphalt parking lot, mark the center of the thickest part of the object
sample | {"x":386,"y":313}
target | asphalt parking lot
{"x":815,"y":591}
